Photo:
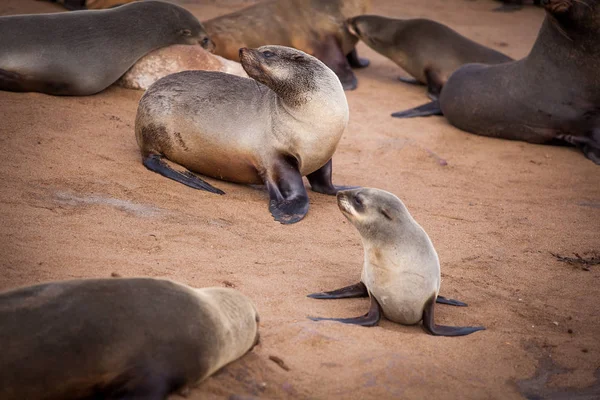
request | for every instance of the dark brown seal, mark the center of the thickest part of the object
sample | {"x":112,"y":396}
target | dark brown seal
{"x":550,"y":96}
{"x":83,"y":52}
{"x":74,"y":5}
{"x":137,"y":338}
{"x":316,"y":27}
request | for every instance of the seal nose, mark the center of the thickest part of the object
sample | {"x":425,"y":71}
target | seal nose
{"x":242,"y":50}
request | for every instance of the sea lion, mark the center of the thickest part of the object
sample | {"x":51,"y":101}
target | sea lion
{"x":317,"y":27}
{"x":550,"y":96}
{"x":137,"y":338}
{"x":426,"y":49}
{"x":74,"y":5}
{"x":283,"y":124}
{"x":83,"y":52}
{"x":172,"y":59}
{"x":401,"y":270}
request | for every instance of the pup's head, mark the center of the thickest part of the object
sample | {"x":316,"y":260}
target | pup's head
{"x":575,"y":17}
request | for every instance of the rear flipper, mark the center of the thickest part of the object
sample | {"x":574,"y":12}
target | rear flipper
{"x":589,"y":147}
{"x":155,"y":162}
{"x":450,"y":302}
{"x":328,"y":50}
{"x":409,"y":80}
{"x":355,"y":61}
{"x":288,"y":200}
{"x":424,"y":110}
{"x":434,"y":83}
{"x":369,"y":319}
{"x":442,"y":330}
{"x":357,"y":290}
{"x":320,"y":181}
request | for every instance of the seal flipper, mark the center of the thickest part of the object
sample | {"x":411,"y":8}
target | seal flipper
{"x":329,"y":51}
{"x":320,"y":181}
{"x":357,"y":290}
{"x":369,"y":319}
{"x":450,"y":302}
{"x":442,"y":330}
{"x":288,"y":200}
{"x":155,"y":162}
{"x":409,"y":80}
{"x":589,"y":147}
{"x":424,"y":110}
{"x":355,"y":61}
{"x":434,"y":83}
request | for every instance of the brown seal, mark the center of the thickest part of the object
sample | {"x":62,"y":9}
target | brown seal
{"x":74,"y":5}
{"x":550,"y":96}
{"x":283,"y":124}
{"x":401,"y":270}
{"x":136,"y":338}
{"x":84,"y":52}
{"x":426,"y":49}
{"x":317,"y":27}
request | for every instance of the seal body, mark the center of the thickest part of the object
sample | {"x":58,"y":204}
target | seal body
{"x":90,"y":4}
{"x":317,"y":27}
{"x":283,"y":124}
{"x":401,"y":269}
{"x":118,"y":338}
{"x":83,"y":52}
{"x":427,"y":50}
{"x":552,"y":95}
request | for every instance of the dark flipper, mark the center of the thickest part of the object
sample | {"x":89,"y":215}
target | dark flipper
{"x":589,"y":147}
{"x":355,"y":61}
{"x":320,"y":181}
{"x":155,"y":162}
{"x":357,"y":290}
{"x":369,"y":319}
{"x":410,"y":80}
{"x":424,"y":110}
{"x":434,"y":83}
{"x":288,"y":200}
{"x":450,"y":302}
{"x":508,"y":7}
{"x":442,"y":330}
{"x":329,"y":51}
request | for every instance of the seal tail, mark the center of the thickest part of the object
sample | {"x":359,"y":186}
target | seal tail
{"x":155,"y":162}
{"x":442,"y":330}
{"x":424,"y":110}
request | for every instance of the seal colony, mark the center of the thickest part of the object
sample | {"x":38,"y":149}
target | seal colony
{"x":81,"y":53}
{"x":275,"y":128}
{"x":401,"y":270}
{"x":120,"y":338}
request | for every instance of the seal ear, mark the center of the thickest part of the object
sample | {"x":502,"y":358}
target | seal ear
{"x":386,"y":213}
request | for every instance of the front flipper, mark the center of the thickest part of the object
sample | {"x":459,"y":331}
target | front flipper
{"x":355,"y":61}
{"x":329,"y":51}
{"x":409,"y":80}
{"x":357,"y":290}
{"x":320,"y":181}
{"x":450,"y":302}
{"x":288,"y":200}
{"x":369,"y":319}
{"x":155,"y":162}
{"x":434,"y":83}
{"x":589,"y":147}
{"x":442,"y":330}
{"x":424,"y":110}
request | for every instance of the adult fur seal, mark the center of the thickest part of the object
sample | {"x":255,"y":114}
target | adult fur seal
{"x":317,"y":27}
{"x":137,"y":338}
{"x":283,"y":124}
{"x":550,"y":96}
{"x":401,"y":271}
{"x":83,"y":52}
{"x":427,"y":50}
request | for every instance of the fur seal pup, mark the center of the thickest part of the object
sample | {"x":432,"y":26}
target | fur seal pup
{"x":283,"y":124}
{"x":550,"y":96}
{"x":138,"y":338}
{"x":172,"y":59}
{"x":401,"y":270}
{"x":83,"y":52}
{"x":426,"y":49}
{"x":74,"y":5}
{"x":317,"y":27}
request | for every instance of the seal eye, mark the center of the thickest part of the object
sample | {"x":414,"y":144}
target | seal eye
{"x":268,"y":54}
{"x":205,"y":41}
{"x":186,"y":32}
{"x":358,"y":201}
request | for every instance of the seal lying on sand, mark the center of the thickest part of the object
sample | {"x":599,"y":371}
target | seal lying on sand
{"x":317,"y":27}
{"x":401,"y":271}
{"x":283,"y":124}
{"x":83,"y":52}
{"x":136,"y":338}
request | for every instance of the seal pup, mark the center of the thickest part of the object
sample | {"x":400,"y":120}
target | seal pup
{"x":83,"y":52}
{"x":401,"y":270}
{"x":426,"y":49}
{"x":550,"y":96}
{"x":137,"y":338}
{"x":172,"y":59}
{"x":317,"y":27}
{"x":282,"y":124}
